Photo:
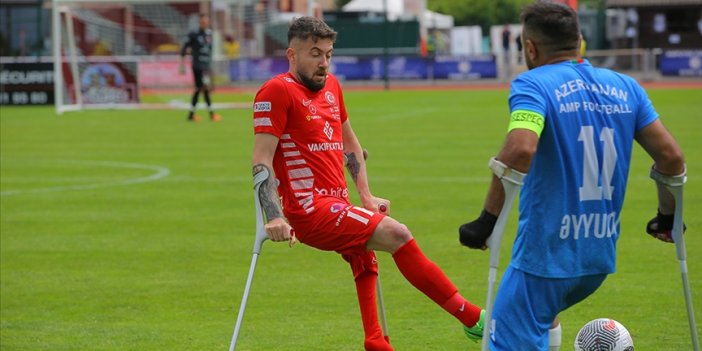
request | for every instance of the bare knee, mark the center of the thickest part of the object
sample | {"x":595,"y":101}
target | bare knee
{"x":389,"y":236}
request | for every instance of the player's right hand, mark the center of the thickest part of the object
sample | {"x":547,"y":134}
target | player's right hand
{"x":661,"y":227}
{"x":181,"y":69}
{"x":475,"y":234}
{"x":279,"y":230}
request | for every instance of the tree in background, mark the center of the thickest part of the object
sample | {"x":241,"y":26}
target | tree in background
{"x":341,"y":3}
{"x":484,"y":13}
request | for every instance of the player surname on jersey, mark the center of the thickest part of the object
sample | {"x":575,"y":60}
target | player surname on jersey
{"x":585,"y":225}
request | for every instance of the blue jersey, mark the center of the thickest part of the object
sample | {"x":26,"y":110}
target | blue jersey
{"x":572,"y":196}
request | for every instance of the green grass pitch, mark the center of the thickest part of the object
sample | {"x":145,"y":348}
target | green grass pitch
{"x":132,"y":230}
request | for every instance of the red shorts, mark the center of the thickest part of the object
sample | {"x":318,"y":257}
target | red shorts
{"x":336,"y":225}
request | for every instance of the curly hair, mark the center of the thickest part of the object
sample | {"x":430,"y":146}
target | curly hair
{"x":306,"y":27}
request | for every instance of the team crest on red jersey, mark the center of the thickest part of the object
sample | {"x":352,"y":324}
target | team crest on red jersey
{"x":330,"y":98}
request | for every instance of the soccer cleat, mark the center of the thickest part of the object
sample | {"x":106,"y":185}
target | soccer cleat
{"x":193,"y":118}
{"x":475,"y":333}
{"x":215,"y":117}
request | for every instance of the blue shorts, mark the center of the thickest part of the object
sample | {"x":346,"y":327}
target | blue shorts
{"x":526,"y":305}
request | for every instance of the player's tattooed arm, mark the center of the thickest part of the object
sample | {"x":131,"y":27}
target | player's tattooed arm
{"x":269,"y":194}
{"x":352,"y":165}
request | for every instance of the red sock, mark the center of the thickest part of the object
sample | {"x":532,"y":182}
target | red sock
{"x":365,"y":273}
{"x":365,"y":289}
{"x":428,"y":278}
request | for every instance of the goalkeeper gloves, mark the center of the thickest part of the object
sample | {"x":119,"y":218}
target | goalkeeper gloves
{"x":474,"y":234}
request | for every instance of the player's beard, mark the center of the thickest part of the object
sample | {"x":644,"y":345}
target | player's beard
{"x":310,"y":83}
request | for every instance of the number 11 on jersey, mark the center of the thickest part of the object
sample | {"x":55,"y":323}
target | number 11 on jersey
{"x":591,"y":170}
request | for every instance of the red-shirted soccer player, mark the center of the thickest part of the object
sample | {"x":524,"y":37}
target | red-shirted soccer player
{"x":303,"y":137}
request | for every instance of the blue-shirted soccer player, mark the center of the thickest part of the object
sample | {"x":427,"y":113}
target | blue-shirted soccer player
{"x":571,"y":129}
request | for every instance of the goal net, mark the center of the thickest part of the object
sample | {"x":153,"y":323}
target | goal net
{"x":126,"y":54}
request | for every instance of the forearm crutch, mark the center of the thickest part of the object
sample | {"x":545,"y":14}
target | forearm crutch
{"x":261,"y":236}
{"x":511,"y":182}
{"x":381,"y":306}
{"x":381,"y":303}
{"x":675,"y":185}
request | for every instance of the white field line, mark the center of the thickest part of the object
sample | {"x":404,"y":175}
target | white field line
{"x":379,"y":179}
{"x":159,"y":172}
{"x":408,"y":114}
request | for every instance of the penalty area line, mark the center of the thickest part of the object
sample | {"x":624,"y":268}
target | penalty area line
{"x":159,"y":173}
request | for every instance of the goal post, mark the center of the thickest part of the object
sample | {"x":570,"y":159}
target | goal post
{"x":106,"y":53}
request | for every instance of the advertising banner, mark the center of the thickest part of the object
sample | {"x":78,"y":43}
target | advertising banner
{"x":464,"y":68}
{"x":109,"y":82}
{"x":373,"y":68}
{"x":27,"y":83}
{"x":257,"y":69}
{"x":686,"y":63}
{"x":164,"y":74}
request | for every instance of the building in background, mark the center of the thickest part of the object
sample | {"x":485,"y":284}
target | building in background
{"x":671,"y":24}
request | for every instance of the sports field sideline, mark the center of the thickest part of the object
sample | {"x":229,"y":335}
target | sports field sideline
{"x":132,"y":230}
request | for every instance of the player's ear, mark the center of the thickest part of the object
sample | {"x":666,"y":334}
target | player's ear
{"x":531,"y":50}
{"x":290,"y":54}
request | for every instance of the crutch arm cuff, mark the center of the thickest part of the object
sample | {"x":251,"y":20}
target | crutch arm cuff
{"x":260,"y":175}
{"x":502,"y":171}
{"x":675,"y":180}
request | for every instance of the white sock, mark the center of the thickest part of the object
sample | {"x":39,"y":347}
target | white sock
{"x":554,"y":338}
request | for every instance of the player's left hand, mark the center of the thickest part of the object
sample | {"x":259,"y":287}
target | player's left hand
{"x":475,"y":234}
{"x":378,"y":205}
{"x":661,"y":227}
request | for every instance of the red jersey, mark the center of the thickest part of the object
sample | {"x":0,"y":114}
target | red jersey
{"x":309,"y":159}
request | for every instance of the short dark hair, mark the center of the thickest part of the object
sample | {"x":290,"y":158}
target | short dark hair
{"x":551,"y":25}
{"x":305,"y":27}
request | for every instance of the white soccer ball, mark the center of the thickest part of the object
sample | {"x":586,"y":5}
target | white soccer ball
{"x":603,"y":334}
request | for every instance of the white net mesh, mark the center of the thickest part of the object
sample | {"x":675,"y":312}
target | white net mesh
{"x":111,"y":52}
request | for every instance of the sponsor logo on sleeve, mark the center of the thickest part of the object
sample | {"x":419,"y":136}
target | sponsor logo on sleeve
{"x":262,"y":106}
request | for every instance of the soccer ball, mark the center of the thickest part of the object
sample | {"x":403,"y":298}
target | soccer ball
{"x":603,"y":334}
